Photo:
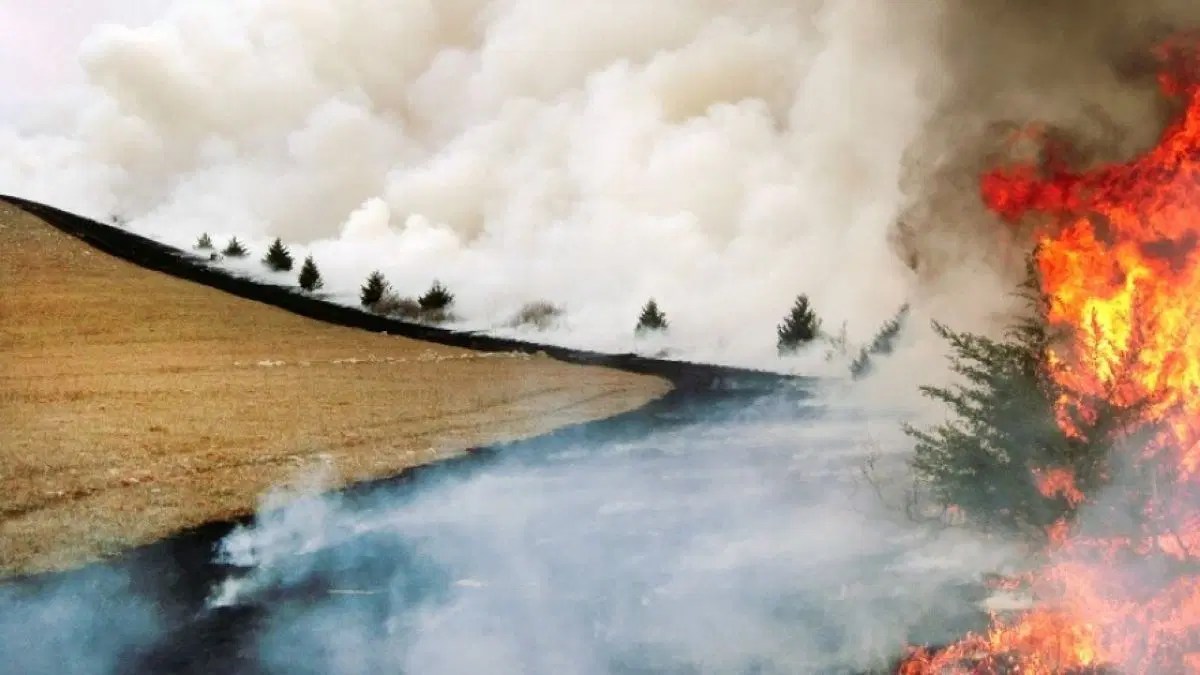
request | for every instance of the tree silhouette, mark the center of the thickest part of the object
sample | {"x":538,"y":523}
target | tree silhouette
{"x":651,"y":319}
{"x":799,"y":327}
{"x":310,"y":276}
{"x":235,"y":249}
{"x":373,"y":289}
{"x":278,"y":257}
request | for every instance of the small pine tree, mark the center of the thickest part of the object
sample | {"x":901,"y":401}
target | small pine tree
{"x":651,"y":319}
{"x":800,"y":327}
{"x":204,"y":243}
{"x":883,"y":344}
{"x":373,"y":289}
{"x":436,"y":299}
{"x":310,"y":276}
{"x":235,"y":249}
{"x":278,"y":257}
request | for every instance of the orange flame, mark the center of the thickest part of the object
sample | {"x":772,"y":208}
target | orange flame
{"x":1120,"y":263}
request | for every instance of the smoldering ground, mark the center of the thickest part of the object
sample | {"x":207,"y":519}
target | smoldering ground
{"x":731,"y":534}
{"x":743,"y":543}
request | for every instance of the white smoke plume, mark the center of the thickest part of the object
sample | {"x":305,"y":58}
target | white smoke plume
{"x":720,"y":157}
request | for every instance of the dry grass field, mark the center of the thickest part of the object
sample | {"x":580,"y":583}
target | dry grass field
{"x":134,"y":404}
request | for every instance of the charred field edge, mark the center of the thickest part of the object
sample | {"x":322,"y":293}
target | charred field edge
{"x":177,"y":574}
{"x":160,"y":257}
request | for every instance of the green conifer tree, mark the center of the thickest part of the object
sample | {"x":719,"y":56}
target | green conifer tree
{"x":310,"y":276}
{"x":372,"y":291}
{"x":235,"y":249}
{"x":882,"y":344}
{"x":799,"y":327}
{"x":651,"y":320}
{"x":1006,"y":426}
{"x":204,"y":243}
{"x":436,"y":299}
{"x":278,"y":257}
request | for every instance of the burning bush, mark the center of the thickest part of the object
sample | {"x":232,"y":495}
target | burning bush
{"x":1005,"y":459}
{"x":1119,"y":266}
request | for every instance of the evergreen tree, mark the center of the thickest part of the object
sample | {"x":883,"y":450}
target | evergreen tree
{"x":1006,"y":427}
{"x":651,"y":319}
{"x":436,"y":299}
{"x":204,"y":243}
{"x":883,"y":344}
{"x":373,"y":289}
{"x":800,"y":327}
{"x":310,"y":276}
{"x":235,"y":249}
{"x":278,"y":257}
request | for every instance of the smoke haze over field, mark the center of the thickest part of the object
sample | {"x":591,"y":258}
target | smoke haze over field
{"x":720,"y":157}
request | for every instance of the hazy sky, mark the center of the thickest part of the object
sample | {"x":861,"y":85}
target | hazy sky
{"x":42,"y":37}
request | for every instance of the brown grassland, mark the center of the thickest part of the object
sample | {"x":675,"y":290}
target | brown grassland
{"x":134,"y":404}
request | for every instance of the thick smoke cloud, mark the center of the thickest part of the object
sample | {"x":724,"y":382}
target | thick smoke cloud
{"x":1080,"y":69}
{"x":720,"y":157}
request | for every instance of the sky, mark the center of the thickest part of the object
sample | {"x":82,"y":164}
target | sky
{"x":42,"y":38}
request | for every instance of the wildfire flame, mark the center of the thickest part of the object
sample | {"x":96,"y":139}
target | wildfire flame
{"x":1119,"y":261}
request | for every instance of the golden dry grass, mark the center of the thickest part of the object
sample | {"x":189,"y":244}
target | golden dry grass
{"x":134,"y":404}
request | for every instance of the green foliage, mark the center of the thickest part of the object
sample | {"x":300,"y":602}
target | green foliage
{"x":310,"y":276}
{"x":1005,"y":428}
{"x":278,"y":257}
{"x":651,"y":320}
{"x":204,"y":243}
{"x":882,"y":344}
{"x":235,"y":249}
{"x":372,"y":291}
{"x":436,"y":299}
{"x":800,"y":327}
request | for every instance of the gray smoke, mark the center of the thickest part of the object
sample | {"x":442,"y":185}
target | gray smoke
{"x":746,"y":544}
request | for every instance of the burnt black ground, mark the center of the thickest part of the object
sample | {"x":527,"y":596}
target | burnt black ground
{"x":171,"y":580}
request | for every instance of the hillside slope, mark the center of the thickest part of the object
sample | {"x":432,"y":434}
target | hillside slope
{"x":134,"y":404}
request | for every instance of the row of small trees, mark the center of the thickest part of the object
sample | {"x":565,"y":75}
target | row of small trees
{"x":278,"y":258}
{"x":800,"y":327}
{"x":435,"y":305}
